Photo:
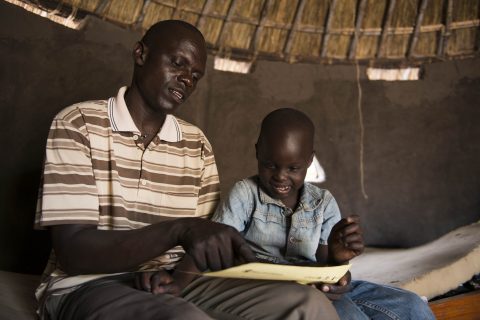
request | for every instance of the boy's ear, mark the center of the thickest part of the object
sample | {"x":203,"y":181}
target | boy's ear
{"x":256,"y":151}
{"x":140,"y":52}
{"x":311,"y":158}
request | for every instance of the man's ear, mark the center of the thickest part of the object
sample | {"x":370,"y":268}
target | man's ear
{"x":140,"y":52}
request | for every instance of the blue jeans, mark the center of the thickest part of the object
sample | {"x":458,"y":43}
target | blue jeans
{"x":368,"y":300}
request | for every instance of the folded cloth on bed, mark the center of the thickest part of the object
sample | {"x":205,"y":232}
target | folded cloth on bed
{"x":428,"y":270}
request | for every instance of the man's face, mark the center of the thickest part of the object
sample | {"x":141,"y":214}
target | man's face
{"x":282,"y":165}
{"x":171,"y":71}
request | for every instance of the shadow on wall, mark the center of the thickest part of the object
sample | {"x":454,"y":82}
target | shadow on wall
{"x":27,"y":250}
{"x":47,"y":67}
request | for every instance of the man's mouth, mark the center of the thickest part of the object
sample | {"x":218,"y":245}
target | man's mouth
{"x":177,"y":95}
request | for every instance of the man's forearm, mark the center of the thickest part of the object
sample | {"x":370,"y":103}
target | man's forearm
{"x":83,"y":249}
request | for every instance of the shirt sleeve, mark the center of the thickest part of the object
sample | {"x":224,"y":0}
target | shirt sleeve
{"x":209,"y":193}
{"x":236,"y":209}
{"x":68,"y":192}
{"x":331,"y":215}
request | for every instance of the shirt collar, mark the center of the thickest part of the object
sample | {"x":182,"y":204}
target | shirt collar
{"x":310,"y":197}
{"x":122,"y":121}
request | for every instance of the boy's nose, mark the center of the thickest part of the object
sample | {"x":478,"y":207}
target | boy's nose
{"x":280,"y":175}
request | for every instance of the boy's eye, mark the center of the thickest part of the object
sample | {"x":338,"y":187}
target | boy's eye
{"x":269,"y":166}
{"x":294,"y":169}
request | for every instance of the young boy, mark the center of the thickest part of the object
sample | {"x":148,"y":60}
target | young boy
{"x":286,"y":220}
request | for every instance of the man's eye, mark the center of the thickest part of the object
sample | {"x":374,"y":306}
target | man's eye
{"x":177,"y":63}
{"x":196,"y":76}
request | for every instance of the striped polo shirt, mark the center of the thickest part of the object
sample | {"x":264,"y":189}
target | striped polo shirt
{"x":97,"y":171}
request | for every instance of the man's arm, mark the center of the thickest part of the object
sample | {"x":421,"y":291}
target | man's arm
{"x":82,"y":249}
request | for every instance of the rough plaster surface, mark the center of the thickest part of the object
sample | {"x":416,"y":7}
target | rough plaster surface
{"x":421,"y":149}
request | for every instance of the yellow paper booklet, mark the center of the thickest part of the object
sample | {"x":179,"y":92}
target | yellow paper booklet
{"x":267,"y":271}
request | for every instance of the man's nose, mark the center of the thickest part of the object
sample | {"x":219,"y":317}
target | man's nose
{"x":186,"y":78}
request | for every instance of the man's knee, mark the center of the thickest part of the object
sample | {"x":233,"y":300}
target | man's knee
{"x":112,"y":299}
{"x":251,"y":299}
{"x":180,"y":312}
{"x":316,"y":305}
{"x":165,"y":307}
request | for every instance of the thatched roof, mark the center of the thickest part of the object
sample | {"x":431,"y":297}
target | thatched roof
{"x":400,"y":31}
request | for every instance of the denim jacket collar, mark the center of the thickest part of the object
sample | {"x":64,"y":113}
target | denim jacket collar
{"x":310,"y":197}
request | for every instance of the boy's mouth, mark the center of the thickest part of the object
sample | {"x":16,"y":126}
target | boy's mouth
{"x":282,"y":189}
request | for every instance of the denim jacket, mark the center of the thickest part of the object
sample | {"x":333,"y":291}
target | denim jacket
{"x":274,"y":232}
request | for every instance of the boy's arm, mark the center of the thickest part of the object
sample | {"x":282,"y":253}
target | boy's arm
{"x":342,"y":237}
{"x":345,"y":242}
{"x":237,"y":208}
{"x":336,"y":229}
{"x":336,"y":290}
{"x":163,"y":281}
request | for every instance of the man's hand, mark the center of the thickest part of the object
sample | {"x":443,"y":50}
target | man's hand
{"x":214,"y":245}
{"x":345,"y":241}
{"x":335,"y":291}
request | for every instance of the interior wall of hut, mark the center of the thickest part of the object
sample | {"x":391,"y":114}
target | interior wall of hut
{"x":421,"y":150}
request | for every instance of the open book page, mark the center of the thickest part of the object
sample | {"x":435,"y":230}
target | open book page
{"x":267,"y":271}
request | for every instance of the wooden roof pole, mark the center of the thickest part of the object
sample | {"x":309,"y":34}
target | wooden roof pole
{"x":201,"y":20}
{"x":175,"y":11}
{"x":141,"y":16}
{"x":101,"y":7}
{"x":442,"y":46}
{"x":328,"y":23}
{"x":385,"y":26}
{"x":228,"y":17}
{"x":296,"y":21}
{"x":261,"y":23}
{"x":358,"y":26}
{"x":418,"y":25}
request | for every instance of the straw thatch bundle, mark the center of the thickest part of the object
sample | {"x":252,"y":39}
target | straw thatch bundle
{"x":310,"y":30}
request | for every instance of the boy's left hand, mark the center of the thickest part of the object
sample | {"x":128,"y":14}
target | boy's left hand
{"x":157,"y":282}
{"x":335,"y":291}
{"x":345,"y":241}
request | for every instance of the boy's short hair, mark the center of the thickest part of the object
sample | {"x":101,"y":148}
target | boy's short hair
{"x":287,"y":119}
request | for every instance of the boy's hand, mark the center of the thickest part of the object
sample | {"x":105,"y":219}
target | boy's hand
{"x":335,"y":291}
{"x":163,"y":281}
{"x":345,"y":241}
{"x":157,"y":282}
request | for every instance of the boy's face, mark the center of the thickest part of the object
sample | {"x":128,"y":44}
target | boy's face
{"x":283,"y":160}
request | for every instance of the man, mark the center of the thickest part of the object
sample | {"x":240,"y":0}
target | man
{"x":126,"y":184}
